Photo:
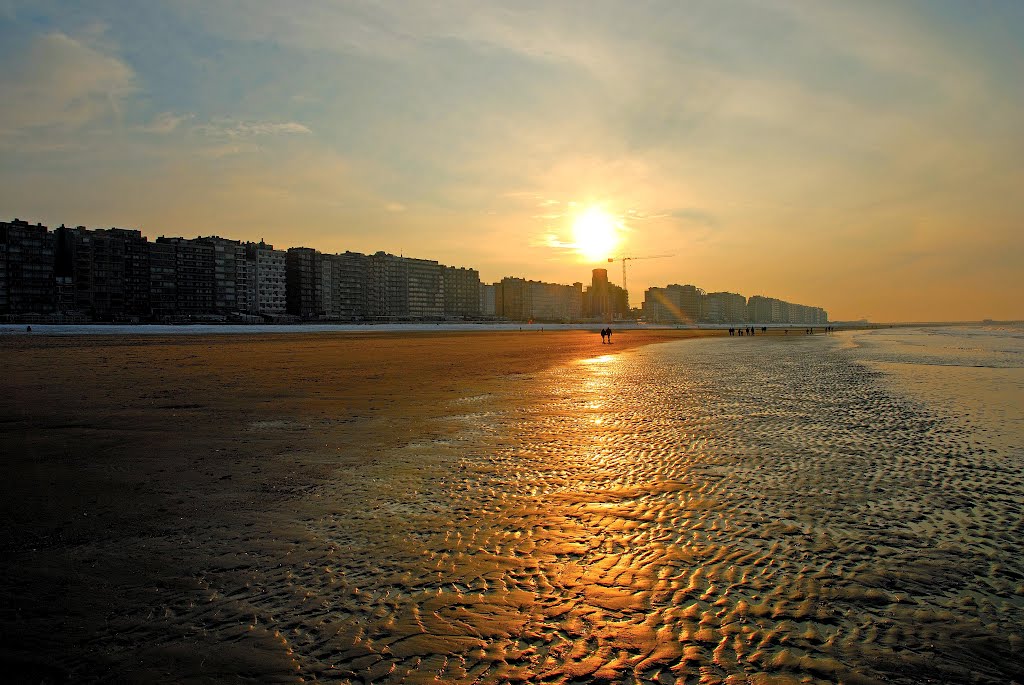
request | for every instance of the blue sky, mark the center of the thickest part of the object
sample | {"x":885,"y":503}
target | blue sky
{"x":864,"y":157}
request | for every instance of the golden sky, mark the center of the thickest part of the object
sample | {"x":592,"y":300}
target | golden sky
{"x":863,"y":157}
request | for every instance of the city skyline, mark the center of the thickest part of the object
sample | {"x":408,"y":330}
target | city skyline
{"x":820,"y":152}
{"x":77,"y":274}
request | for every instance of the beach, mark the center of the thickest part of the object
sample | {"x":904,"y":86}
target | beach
{"x":506,"y":507}
{"x":127,"y":457}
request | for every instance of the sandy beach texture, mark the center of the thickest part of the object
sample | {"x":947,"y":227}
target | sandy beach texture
{"x":512,"y":507}
{"x":133,"y":466}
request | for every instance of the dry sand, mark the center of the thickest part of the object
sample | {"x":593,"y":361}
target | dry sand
{"x":114,"y":448}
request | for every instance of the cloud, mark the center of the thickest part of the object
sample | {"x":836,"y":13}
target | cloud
{"x":62,"y":82}
{"x":696,"y":216}
{"x":167,"y":122}
{"x":397,"y":31}
{"x":231,"y":128}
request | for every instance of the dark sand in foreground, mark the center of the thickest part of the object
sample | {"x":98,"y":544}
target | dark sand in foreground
{"x":115,"y":448}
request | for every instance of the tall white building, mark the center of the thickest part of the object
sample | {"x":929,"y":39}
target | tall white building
{"x":266,"y":279}
{"x":488,"y":304}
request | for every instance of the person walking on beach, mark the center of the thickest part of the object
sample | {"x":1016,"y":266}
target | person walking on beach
{"x":603,"y":333}
{"x":609,"y":335}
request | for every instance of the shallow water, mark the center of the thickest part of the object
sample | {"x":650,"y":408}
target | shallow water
{"x":763,"y":510}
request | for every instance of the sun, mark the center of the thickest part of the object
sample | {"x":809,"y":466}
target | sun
{"x":595,"y":234}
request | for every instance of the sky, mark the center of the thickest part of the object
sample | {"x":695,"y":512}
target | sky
{"x":863,"y":157}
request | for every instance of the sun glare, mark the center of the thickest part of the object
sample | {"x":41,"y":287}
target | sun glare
{"x":595,"y":234}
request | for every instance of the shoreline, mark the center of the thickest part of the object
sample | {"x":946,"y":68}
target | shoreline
{"x":184,"y":329}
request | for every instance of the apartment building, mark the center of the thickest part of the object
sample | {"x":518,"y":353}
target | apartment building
{"x":343,"y":286}
{"x":673,"y":304}
{"x":724,"y":307}
{"x":403,"y":288}
{"x":195,"y":276}
{"x":461,"y":292}
{"x":27,"y":285}
{"x":229,"y":274}
{"x":488,"y":294}
{"x":303,"y":293}
{"x":266,"y":287}
{"x":163,"y":280}
{"x":554,"y":302}
{"x":518,"y":299}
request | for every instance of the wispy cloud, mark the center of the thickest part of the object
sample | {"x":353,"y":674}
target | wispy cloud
{"x":231,"y":128}
{"x":167,"y":122}
{"x":60,"y":81}
{"x":696,"y":216}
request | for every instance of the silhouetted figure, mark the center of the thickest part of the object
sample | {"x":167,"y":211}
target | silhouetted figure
{"x":603,"y":334}
{"x":764,"y":329}
{"x":28,"y":329}
{"x":732,"y":331}
{"x":609,"y":336}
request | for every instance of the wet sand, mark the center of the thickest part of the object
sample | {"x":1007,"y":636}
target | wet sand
{"x":500,"y":509}
{"x":135,"y":467}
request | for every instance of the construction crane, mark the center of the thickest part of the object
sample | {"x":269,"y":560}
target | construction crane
{"x":625,"y":259}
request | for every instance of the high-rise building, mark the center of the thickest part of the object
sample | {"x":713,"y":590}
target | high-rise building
{"x":228,"y":265}
{"x":303,"y":283}
{"x":195,"y":276}
{"x":724,"y":307}
{"x":387,"y":288}
{"x":510,"y":299}
{"x":403,"y":288}
{"x":244,"y":271}
{"x":27,"y":284}
{"x":108,"y":270}
{"x":64,"y":275}
{"x":426,"y":289}
{"x":343,"y":286}
{"x":163,"y":281}
{"x":488,"y":294}
{"x":603,"y":300}
{"x":518,"y":299}
{"x":600,"y":302}
{"x":136,"y":273}
{"x":553,"y":302}
{"x":761,"y":309}
{"x":673,"y":304}
{"x":461,"y":292}
{"x":267,"y":291}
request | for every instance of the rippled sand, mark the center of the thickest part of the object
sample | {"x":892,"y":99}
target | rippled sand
{"x":759,"y":510}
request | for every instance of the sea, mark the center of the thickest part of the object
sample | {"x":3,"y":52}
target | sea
{"x":844,"y":508}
